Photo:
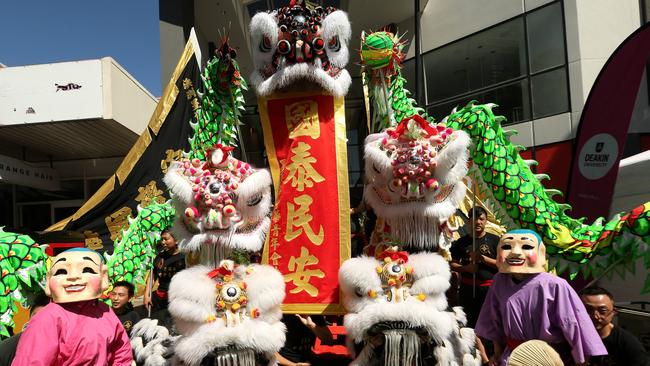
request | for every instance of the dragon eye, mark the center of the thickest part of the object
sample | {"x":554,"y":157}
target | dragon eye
{"x":374,"y":167}
{"x":254,"y":200}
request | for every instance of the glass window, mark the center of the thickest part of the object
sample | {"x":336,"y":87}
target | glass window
{"x":487,"y":58}
{"x":549,"y":92}
{"x":35,"y":217}
{"x":545,"y":38}
{"x":512,"y":100}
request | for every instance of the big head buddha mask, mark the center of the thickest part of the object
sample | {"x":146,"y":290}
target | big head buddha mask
{"x":521,"y":251}
{"x":77,"y":274}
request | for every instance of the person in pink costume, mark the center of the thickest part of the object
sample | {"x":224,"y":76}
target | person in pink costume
{"x":75,"y":329}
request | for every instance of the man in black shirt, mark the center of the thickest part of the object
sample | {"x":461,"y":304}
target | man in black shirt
{"x":166,"y":264}
{"x":121,"y":303}
{"x":469,"y":262}
{"x":623,"y":348}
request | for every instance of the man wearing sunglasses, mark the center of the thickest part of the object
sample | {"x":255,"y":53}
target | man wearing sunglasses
{"x":623,"y":347}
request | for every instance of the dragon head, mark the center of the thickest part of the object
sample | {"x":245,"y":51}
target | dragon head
{"x":300,"y":42}
{"x":221,"y":204}
{"x":413,"y":173}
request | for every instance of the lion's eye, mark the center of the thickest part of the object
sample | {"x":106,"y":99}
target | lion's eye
{"x":255,"y":200}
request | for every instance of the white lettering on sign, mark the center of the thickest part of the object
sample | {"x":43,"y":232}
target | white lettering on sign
{"x":598,"y":156}
{"x":21,"y":173}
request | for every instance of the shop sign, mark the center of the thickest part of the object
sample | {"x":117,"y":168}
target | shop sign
{"x":21,"y":173}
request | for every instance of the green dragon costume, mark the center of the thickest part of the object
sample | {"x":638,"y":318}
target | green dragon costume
{"x":22,"y":269}
{"x":221,"y":100}
{"x":515,"y":193}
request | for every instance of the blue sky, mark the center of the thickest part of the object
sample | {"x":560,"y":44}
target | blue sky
{"x":45,"y":31}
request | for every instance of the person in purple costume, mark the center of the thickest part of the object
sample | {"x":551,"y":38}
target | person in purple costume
{"x":524,"y":303}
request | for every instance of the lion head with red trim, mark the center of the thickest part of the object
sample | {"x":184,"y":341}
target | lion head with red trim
{"x":413,"y":174}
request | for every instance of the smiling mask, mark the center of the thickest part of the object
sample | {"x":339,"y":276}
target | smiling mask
{"x":521,"y":251}
{"x":77,"y":274}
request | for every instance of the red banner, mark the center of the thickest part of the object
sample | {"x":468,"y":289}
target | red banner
{"x":604,"y":125}
{"x":309,"y":239}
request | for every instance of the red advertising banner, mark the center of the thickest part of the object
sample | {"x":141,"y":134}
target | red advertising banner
{"x":604,"y":125}
{"x":309,"y":239}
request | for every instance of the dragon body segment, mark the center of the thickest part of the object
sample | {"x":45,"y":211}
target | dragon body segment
{"x":516,"y":194}
{"x":134,"y":252}
{"x":222,"y":100}
{"x":22,"y":269}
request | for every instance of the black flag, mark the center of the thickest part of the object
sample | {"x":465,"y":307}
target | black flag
{"x":138,"y":179}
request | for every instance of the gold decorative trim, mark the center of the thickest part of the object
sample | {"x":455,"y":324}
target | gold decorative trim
{"x":171,"y":91}
{"x":324,"y":309}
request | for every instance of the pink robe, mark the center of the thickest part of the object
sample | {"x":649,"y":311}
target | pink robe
{"x":80,"y":333}
{"x":541,"y":307}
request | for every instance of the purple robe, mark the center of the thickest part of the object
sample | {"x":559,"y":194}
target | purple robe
{"x":542,"y":307}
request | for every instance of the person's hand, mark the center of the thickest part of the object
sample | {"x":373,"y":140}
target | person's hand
{"x":306,"y":321}
{"x":147,"y":301}
{"x":495,"y":360}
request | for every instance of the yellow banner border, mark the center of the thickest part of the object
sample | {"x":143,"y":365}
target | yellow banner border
{"x":340,"y":137}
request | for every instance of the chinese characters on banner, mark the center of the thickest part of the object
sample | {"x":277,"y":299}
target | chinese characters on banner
{"x":305,"y":140}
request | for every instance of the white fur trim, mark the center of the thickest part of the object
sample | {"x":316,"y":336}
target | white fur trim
{"x":250,"y":241}
{"x":452,"y":159}
{"x":358,"y":275}
{"x":191,"y":298}
{"x":257,"y":183}
{"x":439,"y":324}
{"x":178,"y":184}
{"x":265,"y":290}
{"x":252,"y":334}
{"x":337,"y":24}
{"x":431,"y":277}
{"x":263,"y":24}
{"x":289,"y":74}
{"x":147,"y":339}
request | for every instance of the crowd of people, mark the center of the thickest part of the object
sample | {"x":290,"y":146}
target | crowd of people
{"x":519,"y":313}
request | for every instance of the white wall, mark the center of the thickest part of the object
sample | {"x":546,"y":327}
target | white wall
{"x":594,"y":29}
{"x":35,"y":87}
{"x":125,"y":100}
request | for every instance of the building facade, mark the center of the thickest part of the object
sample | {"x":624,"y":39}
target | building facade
{"x":64,"y":128}
{"x":536,"y":59}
